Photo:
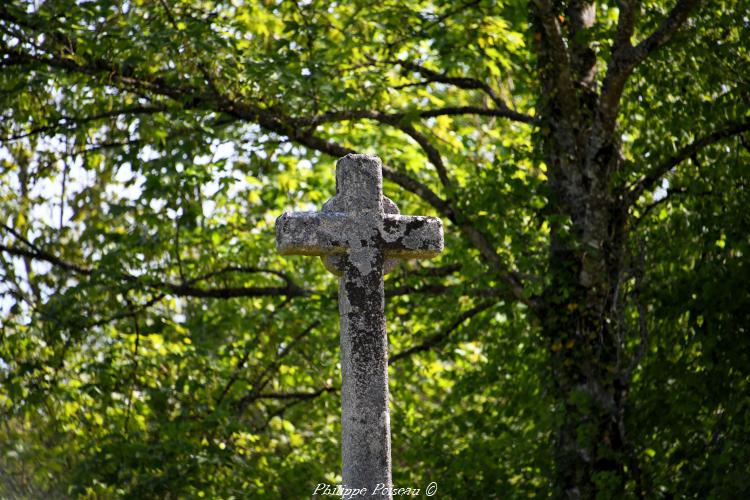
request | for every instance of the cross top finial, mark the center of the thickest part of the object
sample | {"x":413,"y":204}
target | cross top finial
{"x":359,"y":184}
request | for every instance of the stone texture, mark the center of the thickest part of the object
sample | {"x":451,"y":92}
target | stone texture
{"x":360,"y":235}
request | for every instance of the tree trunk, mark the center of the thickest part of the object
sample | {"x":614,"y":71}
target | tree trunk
{"x":582,"y":328}
{"x":581,"y":308}
{"x":582,"y":325}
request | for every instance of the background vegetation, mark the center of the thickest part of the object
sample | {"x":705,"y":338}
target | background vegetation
{"x":584,"y":334}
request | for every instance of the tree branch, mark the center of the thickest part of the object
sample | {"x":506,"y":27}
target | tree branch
{"x":651,"y":206}
{"x":462,"y":82}
{"x":440,"y":289}
{"x":291,"y":290}
{"x":617,"y":68}
{"x":295,"y":399}
{"x":559,"y":58}
{"x":261,"y":380}
{"x":270,"y":119}
{"x":580,"y":16}
{"x":134,"y":373}
{"x":397,"y":121}
{"x":475,"y":236}
{"x":441,"y":337}
{"x":433,"y":155}
{"x":439,"y":271}
{"x":46,"y":257}
{"x":625,"y":57}
{"x":669,"y":26}
{"x":72,"y":121}
{"x":625,"y":25}
{"x":656,"y":173}
{"x":356,"y":114}
{"x":297,"y":395}
{"x":246,"y":355}
{"x":178,"y":289}
{"x":232,"y":292}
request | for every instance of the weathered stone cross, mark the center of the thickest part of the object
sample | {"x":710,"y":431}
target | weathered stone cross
{"x":359,"y":235}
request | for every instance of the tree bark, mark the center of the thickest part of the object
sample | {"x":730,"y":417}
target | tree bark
{"x":581,"y":320}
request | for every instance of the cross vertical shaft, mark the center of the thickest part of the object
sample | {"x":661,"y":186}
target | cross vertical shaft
{"x":365,"y":419}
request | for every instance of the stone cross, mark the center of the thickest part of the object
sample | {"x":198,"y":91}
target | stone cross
{"x":360,"y":235}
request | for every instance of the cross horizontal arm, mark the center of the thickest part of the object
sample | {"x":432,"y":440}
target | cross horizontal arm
{"x":326,"y":233}
{"x":412,"y":236}
{"x":311,"y":233}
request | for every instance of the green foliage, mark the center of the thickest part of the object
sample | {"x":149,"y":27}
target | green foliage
{"x":154,"y":345}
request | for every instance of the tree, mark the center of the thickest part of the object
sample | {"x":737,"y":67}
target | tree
{"x":583,"y":335}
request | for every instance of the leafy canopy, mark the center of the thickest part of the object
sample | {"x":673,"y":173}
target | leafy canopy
{"x":154,"y":345}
